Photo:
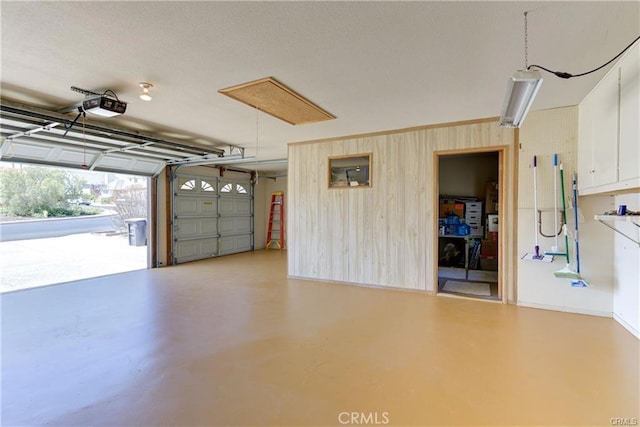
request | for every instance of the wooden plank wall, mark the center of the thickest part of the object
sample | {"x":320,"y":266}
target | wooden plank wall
{"x":383,"y":235}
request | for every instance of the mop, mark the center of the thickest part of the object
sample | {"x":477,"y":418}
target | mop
{"x":579,"y":282}
{"x":536,"y":255}
{"x":555,"y":248}
{"x":566,"y":272}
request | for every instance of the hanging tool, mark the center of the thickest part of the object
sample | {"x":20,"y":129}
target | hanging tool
{"x":555,"y":248}
{"x":579,"y":282}
{"x":536,"y":256}
{"x":566,"y":272}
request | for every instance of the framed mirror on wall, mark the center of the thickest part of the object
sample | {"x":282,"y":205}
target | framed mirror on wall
{"x":352,"y":171}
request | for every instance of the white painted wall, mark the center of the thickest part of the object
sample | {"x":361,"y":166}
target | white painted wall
{"x":626,"y":255}
{"x":543,"y":134}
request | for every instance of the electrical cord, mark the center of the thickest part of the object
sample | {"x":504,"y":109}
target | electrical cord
{"x":564,"y":75}
{"x":112,"y":92}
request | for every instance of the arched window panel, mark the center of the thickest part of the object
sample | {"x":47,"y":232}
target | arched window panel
{"x":187,"y":184}
{"x":227,"y":188}
{"x":206,"y":186}
{"x":240,"y":189}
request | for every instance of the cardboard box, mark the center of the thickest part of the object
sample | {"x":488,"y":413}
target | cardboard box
{"x":489,"y":264}
{"x":492,"y":235}
{"x":489,"y":248}
{"x":450,"y":207}
{"x":491,"y":197}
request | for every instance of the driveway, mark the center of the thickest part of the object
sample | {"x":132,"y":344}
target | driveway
{"x":37,"y":262}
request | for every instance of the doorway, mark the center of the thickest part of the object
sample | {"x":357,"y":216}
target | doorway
{"x":468,"y":218}
{"x":61,"y":224}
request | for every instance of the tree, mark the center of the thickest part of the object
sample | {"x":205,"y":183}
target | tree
{"x":130,"y":203}
{"x":35,"y":190}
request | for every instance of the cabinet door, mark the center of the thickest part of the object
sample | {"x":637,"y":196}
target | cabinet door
{"x":629,"y":167}
{"x":604,"y":126}
{"x":585,"y":144}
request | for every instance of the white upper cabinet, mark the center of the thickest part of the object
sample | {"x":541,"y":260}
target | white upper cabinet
{"x":608,"y":137}
{"x":630,"y":116}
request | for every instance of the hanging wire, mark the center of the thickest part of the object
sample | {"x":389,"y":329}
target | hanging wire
{"x":565,"y":75}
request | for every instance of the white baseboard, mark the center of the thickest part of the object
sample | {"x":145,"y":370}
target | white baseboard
{"x":627,"y":326}
{"x":565,"y":309}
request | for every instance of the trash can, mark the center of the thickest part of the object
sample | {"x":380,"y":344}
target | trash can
{"x":137,"y":231}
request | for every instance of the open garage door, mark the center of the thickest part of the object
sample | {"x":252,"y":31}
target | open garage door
{"x":37,"y":136}
{"x":211,"y":216}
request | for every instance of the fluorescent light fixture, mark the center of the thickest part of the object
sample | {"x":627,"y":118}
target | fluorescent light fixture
{"x":521,"y":91}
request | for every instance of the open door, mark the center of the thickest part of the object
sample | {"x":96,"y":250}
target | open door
{"x":468,"y":261}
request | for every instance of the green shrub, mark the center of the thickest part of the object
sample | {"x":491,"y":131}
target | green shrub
{"x":38,"y":191}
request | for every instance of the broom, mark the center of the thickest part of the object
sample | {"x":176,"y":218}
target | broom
{"x":566,"y":272}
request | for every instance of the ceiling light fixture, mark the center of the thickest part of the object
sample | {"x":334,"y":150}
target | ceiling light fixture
{"x":522,"y":89}
{"x":145,"y":96}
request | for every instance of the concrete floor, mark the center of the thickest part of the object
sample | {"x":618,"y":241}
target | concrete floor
{"x":232,"y":341}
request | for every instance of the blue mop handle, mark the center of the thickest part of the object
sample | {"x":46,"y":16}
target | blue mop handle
{"x":574,"y":183}
{"x":555,"y":159}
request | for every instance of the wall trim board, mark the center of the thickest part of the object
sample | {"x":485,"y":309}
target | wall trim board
{"x":446,"y":295}
{"x":626,"y":325}
{"x":168,"y":216}
{"x":152,"y":229}
{"x":564,"y":309}
{"x":513,"y":297}
{"x":398,"y":131}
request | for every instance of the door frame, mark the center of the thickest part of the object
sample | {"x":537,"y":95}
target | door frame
{"x":507,"y":162}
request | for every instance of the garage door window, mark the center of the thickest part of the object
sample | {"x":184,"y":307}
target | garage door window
{"x":189,"y":184}
{"x":206,"y":186}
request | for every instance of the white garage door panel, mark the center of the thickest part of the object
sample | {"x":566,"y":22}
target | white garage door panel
{"x":192,"y":206}
{"x":235,"y":244}
{"x":235,"y":225}
{"x":211,"y":206}
{"x":235,"y":206}
{"x":113,"y":161}
{"x":191,"y":250}
{"x":47,"y":153}
{"x":196,"y":227}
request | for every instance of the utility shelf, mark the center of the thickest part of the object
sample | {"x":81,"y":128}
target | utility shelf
{"x":606,"y":219}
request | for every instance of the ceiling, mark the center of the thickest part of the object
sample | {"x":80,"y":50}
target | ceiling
{"x":376,"y":66}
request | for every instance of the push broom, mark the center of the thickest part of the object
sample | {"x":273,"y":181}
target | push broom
{"x":566,"y":272}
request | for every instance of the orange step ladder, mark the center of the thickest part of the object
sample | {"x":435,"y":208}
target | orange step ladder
{"x":276,"y":232}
